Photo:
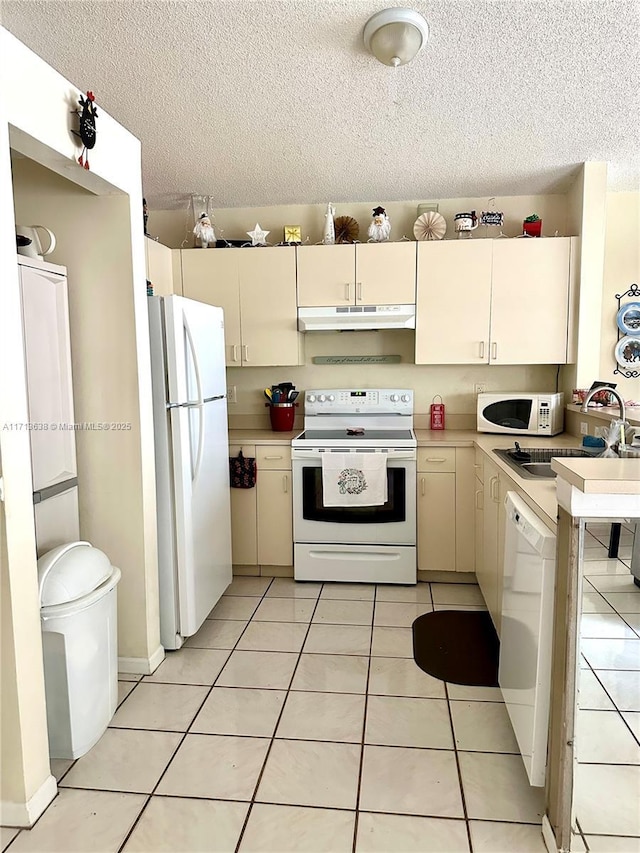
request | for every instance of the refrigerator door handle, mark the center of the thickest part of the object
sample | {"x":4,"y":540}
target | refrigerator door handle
{"x":198,"y":462}
{"x":196,"y":366}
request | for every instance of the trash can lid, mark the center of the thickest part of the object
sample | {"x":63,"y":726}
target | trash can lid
{"x":70,"y":571}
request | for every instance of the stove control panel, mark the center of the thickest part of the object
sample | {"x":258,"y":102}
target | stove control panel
{"x":336,"y":401}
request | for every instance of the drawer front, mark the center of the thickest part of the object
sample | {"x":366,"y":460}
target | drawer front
{"x":274,"y":456}
{"x":437,"y":459}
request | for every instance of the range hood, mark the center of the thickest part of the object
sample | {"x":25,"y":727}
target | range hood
{"x":357,"y":317}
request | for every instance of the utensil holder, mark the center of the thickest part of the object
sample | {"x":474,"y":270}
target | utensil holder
{"x":282,"y":416}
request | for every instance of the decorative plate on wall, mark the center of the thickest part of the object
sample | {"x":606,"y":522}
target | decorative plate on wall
{"x":430,"y":226}
{"x":628,"y":352}
{"x":628,"y":318}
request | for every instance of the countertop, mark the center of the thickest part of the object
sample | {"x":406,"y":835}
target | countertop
{"x":608,"y":413}
{"x":601,"y":476}
{"x":540,"y":495}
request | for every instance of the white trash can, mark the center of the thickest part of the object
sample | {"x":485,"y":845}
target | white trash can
{"x":77,"y":586}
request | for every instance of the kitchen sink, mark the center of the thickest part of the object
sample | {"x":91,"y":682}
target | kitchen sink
{"x":538,"y":465}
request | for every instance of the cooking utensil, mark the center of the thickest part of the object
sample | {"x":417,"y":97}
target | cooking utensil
{"x":267,"y":394}
{"x":292,"y":396}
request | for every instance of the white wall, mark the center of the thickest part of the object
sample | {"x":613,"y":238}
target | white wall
{"x":35,"y":119}
{"x":621,"y":270}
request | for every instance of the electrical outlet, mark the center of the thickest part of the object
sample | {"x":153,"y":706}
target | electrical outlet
{"x":231,"y":394}
{"x":584,"y":428}
{"x":480,"y":387}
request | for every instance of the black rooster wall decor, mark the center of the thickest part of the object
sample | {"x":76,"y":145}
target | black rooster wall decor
{"x":87,"y":131}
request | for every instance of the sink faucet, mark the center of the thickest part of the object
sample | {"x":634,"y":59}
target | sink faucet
{"x":613,"y":393}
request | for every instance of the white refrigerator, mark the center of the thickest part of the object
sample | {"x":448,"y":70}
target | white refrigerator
{"x":192,"y":462}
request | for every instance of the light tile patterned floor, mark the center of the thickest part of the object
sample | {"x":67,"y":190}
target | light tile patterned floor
{"x":297,"y":720}
{"x":607,"y":778}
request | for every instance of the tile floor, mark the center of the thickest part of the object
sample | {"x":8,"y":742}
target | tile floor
{"x":607,"y":777}
{"x":297,"y":720}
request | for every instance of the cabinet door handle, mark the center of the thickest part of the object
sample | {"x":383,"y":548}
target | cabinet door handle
{"x":435,"y":459}
{"x":479,"y":494}
{"x":285,"y":484}
{"x":494,"y":490}
{"x":234,"y":348}
{"x":347,"y":292}
{"x":274,"y":457}
{"x":246,"y":352}
{"x":359,"y":296}
{"x":481,"y":349}
{"x":494,"y":351}
{"x":477,"y":465}
{"x":423,"y":490}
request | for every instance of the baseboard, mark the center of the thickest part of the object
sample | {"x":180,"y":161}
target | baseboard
{"x":142,"y":666}
{"x":26,"y":814}
{"x":548,"y":837}
{"x":435,"y":576}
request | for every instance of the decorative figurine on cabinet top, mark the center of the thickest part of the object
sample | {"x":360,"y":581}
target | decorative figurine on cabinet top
{"x":532,"y":226}
{"x":329,"y":237}
{"x":380,"y":228}
{"x":204,"y":231}
{"x":292,"y":234}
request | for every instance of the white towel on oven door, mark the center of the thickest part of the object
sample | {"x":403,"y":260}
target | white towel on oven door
{"x":354,"y":479}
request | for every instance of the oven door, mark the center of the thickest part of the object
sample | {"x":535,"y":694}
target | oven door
{"x":393,"y":523}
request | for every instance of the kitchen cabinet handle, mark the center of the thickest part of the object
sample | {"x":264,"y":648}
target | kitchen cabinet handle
{"x":435,"y":459}
{"x":494,"y":351}
{"x":479,"y":494}
{"x":235,"y":352}
{"x":347,"y":292}
{"x":359,"y":293}
{"x":274,"y":457}
{"x":481,"y":349}
{"x":477,"y":465}
{"x":246,"y":352}
{"x":285,"y":484}
{"x":494,"y":490}
{"x":423,"y":490}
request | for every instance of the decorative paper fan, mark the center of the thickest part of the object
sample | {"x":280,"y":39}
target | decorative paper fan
{"x":430,"y":226}
{"x":347,"y":229}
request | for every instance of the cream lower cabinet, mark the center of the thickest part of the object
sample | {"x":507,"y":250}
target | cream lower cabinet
{"x":445,"y":509}
{"x":493,"y":301}
{"x":256,"y":288}
{"x":244,"y":518}
{"x":275,"y":506}
{"x":262,"y":517}
{"x":492,"y":518}
{"x":361,"y":274}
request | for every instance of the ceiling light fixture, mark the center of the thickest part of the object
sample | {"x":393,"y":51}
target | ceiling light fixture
{"x":395,"y":36}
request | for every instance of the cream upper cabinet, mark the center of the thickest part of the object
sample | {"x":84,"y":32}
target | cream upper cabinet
{"x":360,"y":274}
{"x":385,"y":273}
{"x":453,"y":304}
{"x":268,"y":311}
{"x":530,"y":301}
{"x":159,"y":267}
{"x":493,"y":301}
{"x":326,"y":275}
{"x":256,"y":288}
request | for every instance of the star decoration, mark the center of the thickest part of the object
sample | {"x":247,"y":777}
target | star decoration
{"x":258,"y":236}
{"x":378,"y":211}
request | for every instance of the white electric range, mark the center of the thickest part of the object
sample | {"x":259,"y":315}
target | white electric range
{"x":375,"y":544}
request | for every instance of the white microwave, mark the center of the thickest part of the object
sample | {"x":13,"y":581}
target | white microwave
{"x":521,"y":414}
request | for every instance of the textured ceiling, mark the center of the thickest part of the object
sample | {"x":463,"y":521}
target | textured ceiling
{"x":278,"y":102}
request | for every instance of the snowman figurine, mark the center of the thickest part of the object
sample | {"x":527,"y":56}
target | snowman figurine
{"x":380,"y":228}
{"x":204,"y":231}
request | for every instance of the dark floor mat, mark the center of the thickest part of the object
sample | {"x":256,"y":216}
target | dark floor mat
{"x":460,"y":646}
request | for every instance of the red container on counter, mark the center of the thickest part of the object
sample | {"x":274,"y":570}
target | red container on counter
{"x":282,"y":416}
{"x":437,"y":413}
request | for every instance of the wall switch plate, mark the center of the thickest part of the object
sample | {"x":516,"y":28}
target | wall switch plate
{"x":480,"y":388}
{"x":231,"y":394}
{"x":584,"y":428}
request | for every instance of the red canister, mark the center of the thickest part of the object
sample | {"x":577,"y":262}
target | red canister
{"x":437,"y":413}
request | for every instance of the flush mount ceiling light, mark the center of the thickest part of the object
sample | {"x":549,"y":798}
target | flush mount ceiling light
{"x":395,"y":36}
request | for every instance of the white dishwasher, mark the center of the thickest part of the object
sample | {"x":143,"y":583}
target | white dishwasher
{"x":526,"y":636}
